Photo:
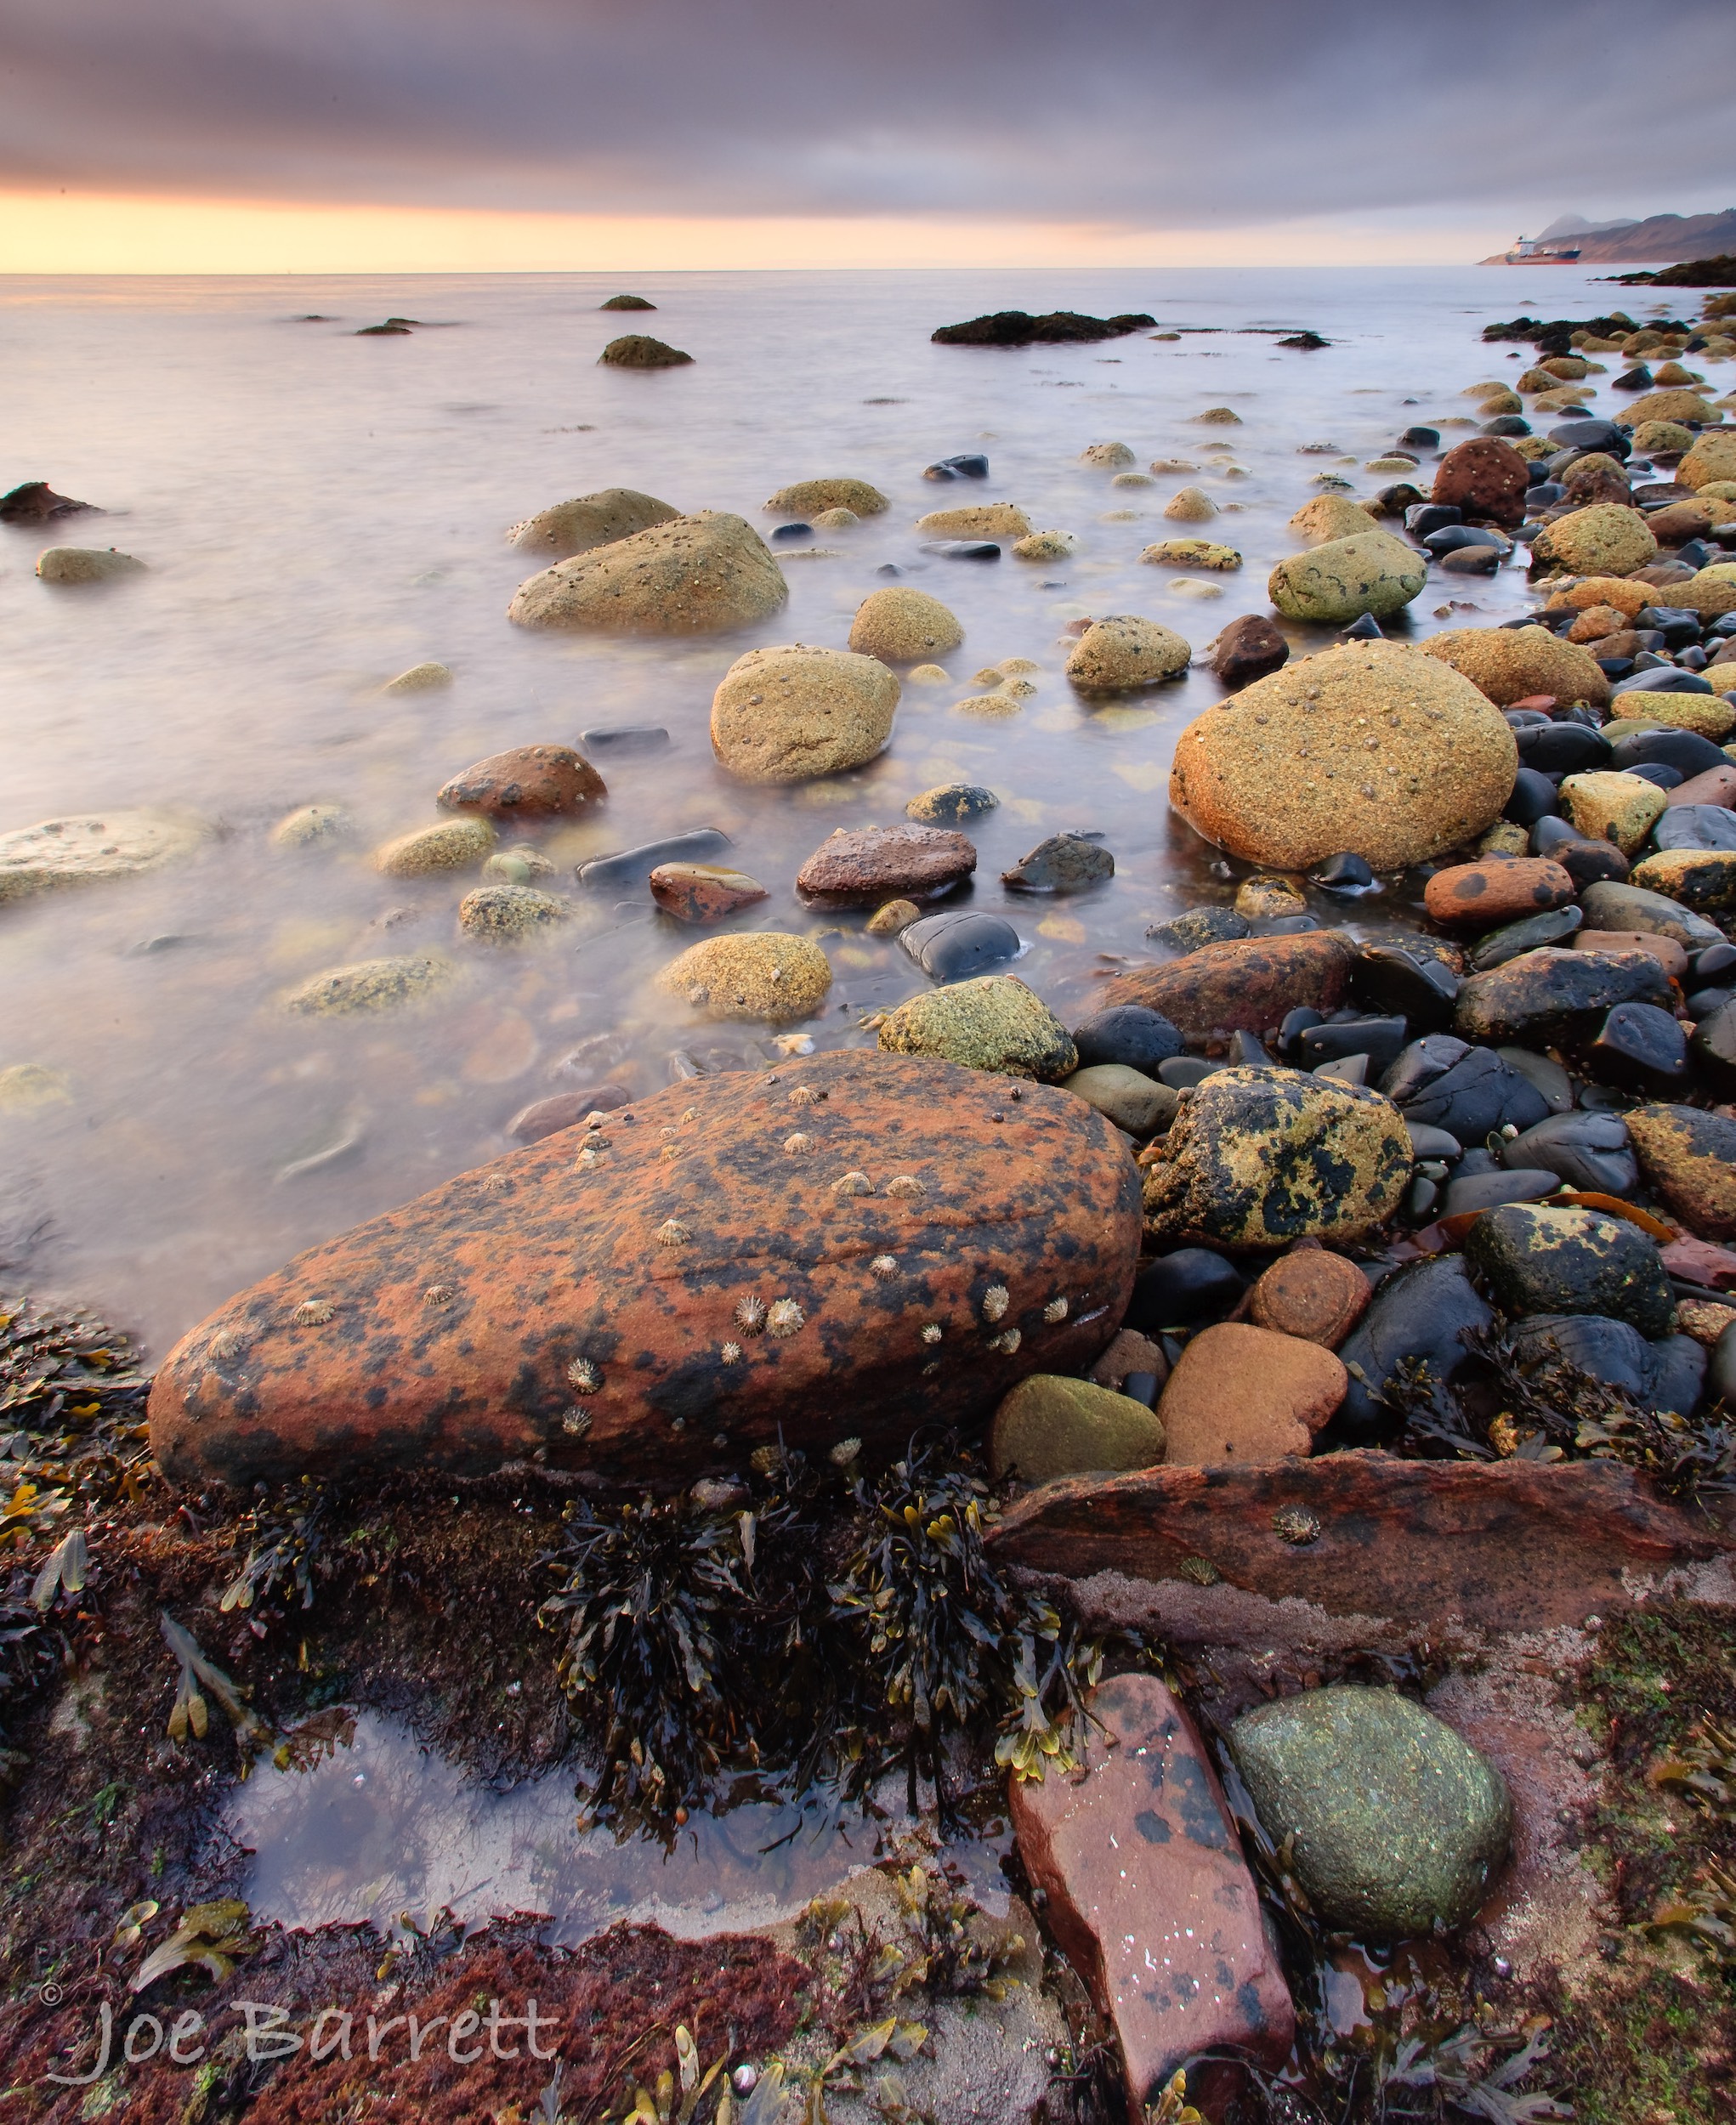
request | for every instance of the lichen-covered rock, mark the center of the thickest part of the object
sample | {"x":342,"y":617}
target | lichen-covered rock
{"x":1191,"y":505}
{"x":1327,"y":517}
{"x":1245,"y":984}
{"x":1704,"y":879}
{"x":1687,"y":406}
{"x":1259,"y":1158}
{"x":1370,"y":747}
{"x":507,"y":915}
{"x":1050,"y":1426}
{"x":1398,"y":1825}
{"x":770,"y":975}
{"x":1339,"y":581}
{"x":1539,"y":1260}
{"x":814,"y":497}
{"x":1711,"y":592}
{"x":691,"y":575}
{"x":86,"y":564}
{"x":1044,"y":546}
{"x":976,"y":520}
{"x":426,"y":851}
{"x":901,"y":626}
{"x":1608,"y":805}
{"x":1549,"y":994}
{"x":528,"y":782}
{"x":706,"y":1304}
{"x":1125,"y":653}
{"x":1653,"y":436}
{"x":992,"y":1023}
{"x":1688,"y":1157}
{"x":590,"y":520}
{"x":1192,"y":553}
{"x":1512,"y":664}
{"x":368,"y":985}
{"x":1629,"y":598}
{"x":1605,"y":538}
{"x":91,"y":848}
{"x":1711,"y":460}
{"x":793,"y":712}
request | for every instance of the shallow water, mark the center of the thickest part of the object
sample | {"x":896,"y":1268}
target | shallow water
{"x":320,"y":510}
{"x":380,"y":1831}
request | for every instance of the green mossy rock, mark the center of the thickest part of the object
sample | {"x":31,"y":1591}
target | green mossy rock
{"x":1372,"y":572}
{"x":1398,"y":1822}
{"x":992,"y":1023}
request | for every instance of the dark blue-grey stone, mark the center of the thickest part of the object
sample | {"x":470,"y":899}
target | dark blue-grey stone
{"x":1483,"y":1190}
{"x":1685,"y":750}
{"x":1466,"y":1090}
{"x":1422,"y":1312}
{"x":1660,"y":678}
{"x":1414,"y":985}
{"x":1179,"y":1289}
{"x":1696,"y":826}
{"x":1536,"y":930}
{"x":624,"y":740}
{"x":1379,"y":1039}
{"x":961,"y":942}
{"x":1063,"y":863}
{"x":1584,"y":1150}
{"x":1641,"y":1047}
{"x":633,"y":866}
{"x":1132,"y":1034}
{"x":1562,"y":748}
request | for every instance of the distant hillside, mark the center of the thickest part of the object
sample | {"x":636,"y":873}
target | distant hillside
{"x":1661,"y":239}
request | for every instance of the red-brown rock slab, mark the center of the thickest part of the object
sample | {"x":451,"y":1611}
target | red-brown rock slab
{"x":1479,"y":896}
{"x":1248,"y":984}
{"x":1486,"y":478}
{"x":1430,"y":1545}
{"x":1699,"y":1261}
{"x":1129,"y":1352}
{"x":529,"y":782}
{"x":1248,"y":648}
{"x":1668,"y":954}
{"x":1246,"y":1394}
{"x":703,"y":893}
{"x":1716,"y":785}
{"x":858,"y":866}
{"x":1148,"y":1896}
{"x":565,"y":1110}
{"x":850,"y":1245}
{"x":1312,"y":1294}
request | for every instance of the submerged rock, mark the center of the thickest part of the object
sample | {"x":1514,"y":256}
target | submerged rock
{"x":815,"y":497}
{"x":1063,"y":863}
{"x":426,"y":851}
{"x":68,"y":565}
{"x":951,"y":804}
{"x":529,"y":782}
{"x":703,"y":893}
{"x":93,"y":848}
{"x":767,"y":975}
{"x":1398,"y":1825}
{"x":1369,"y":748}
{"x":694,"y":575}
{"x":1247,"y":983}
{"x":508,"y":913}
{"x":588,"y":521}
{"x":428,"y":677}
{"x":857,"y":866}
{"x":959,"y":942}
{"x":1259,"y":1158}
{"x":1148,"y":1895}
{"x":726,"y":1299}
{"x":992,"y":1023}
{"x":369,"y":985}
{"x":788,"y":714}
{"x":1125,"y":654}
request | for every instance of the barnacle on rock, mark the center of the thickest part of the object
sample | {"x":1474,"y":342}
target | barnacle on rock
{"x":883,"y":1266}
{"x":804,"y":1096}
{"x":437,"y":1295}
{"x":1056,"y":1310}
{"x":995,"y":1302}
{"x":799,"y":1143}
{"x":931,"y":1332}
{"x":227,"y":1342}
{"x":1006,"y":1341}
{"x":575,"y":1423}
{"x":904,"y":1185}
{"x":784,"y":1317}
{"x":852,"y":1184}
{"x":587,"y":1159}
{"x":843,"y":1453}
{"x":313,"y":1313}
{"x":731,"y":1353}
{"x":671,"y":1233}
{"x":1200,"y":1570}
{"x":1297,"y":1524}
{"x":584,"y":1376}
{"x":750,"y":1315}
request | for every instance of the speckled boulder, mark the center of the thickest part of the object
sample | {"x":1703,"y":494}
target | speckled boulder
{"x":1485,"y":477}
{"x":770,"y":976}
{"x":1125,"y":653}
{"x":1711,"y":592}
{"x":992,"y":1023}
{"x":1712,"y":459}
{"x":1245,"y":984}
{"x":648,"y":1319}
{"x":1398,"y":1823}
{"x":590,"y":520}
{"x":903,"y":627}
{"x":691,"y":575}
{"x":91,"y":848}
{"x":790,"y":713}
{"x":814,"y":497}
{"x":1687,"y":406}
{"x":1259,"y":1158}
{"x":1604,"y":540}
{"x":1511,"y":664}
{"x":1372,"y":572}
{"x":86,"y":564}
{"x":1369,"y":747}
{"x":1688,"y":1157}
{"x":1704,"y":879}
{"x":529,"y":782}
{"x":977,"y":520}
{"x":426,"y":851}
{"x":509,"y":915}
{"x":1327,"y":517}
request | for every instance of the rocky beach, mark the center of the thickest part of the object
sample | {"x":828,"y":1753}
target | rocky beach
{"x":920,"y":1212}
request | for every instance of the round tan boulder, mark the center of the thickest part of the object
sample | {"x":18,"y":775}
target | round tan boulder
{"x":1512,"y":664}
{"x":691,"y":575}
{"x":590,"y":520}
{"x":426,"y":851}
{"x":1050,"y":1426}
{"x":91,"y":848}
{"x":1109,"y":456}
{"x":1604,"y":540}
{"x":788,"y":713}
{"x":1370,"y":747}
{"x":1192,"y":504}
{"x":509,"y":915}
{"x":1711,"y":592}
{"x":766,"y":975}
{"x":1687,"y":406}
{"x":1711,"y":460}
{"x":1124,"y":653}
{"x":86,"y":564}
{"x":979,"y":520}
{"x":814,"y":497}
{"x":430,"y":677}
{"x":1330,"y":517}
{"x":903,"y":626}
{"x":1339,"y":581}
{"x":1629,"y":599}
{"x":1651,"y":436}
{"x":1248,"y":1394}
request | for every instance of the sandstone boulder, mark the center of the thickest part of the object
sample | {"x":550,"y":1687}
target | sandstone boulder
{"x":1486,"y":478}
{"x":1125,"y":653}
{"x":858,"y":867}
{"x":1688,"y":1157}
{"x":768,"y":976}
{"x":977,"y":520}
{"x":590,"y":520}
{"x":1372,"y":572}
{"x":1512,"y":664}
{"x":705,"y":1306}
{"x":790,"y":713}
{"x":695,"y":575}
{"x":1604,"y":540}
{"x":902,"y":627}
{"x":1327,"y":517}
{"x":992,"y":1023}
{"x":1242,"y":1393}
{"x":814,"y":497}
{"x":1712,"y":460}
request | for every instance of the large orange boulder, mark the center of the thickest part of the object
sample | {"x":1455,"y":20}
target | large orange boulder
{"x":848,"y":1246}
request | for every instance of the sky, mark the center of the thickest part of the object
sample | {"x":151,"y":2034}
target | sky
{"x":382,"y":135}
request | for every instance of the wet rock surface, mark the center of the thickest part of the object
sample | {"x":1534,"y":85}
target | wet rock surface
{"x":1049,"y":1426}
{"x":529,"y":782}
{"x":858,"y":866}
{"x":787,"y":714}
{"x":731,"y":1289}
{"x":993,"y":1023}
{"x":695,"y":575}
{"x":1249,"y":984}
{"x":1540,"y":1259}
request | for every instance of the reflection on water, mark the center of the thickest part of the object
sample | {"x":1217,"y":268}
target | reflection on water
{"x":379,"y":1828}
{"x":319,"y":511}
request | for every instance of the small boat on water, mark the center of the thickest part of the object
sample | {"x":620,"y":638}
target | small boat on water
{"x":1542,"y":251}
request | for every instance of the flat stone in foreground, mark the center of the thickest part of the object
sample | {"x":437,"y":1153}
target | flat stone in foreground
{"x":853,"y":1246}
{"x":1148,"y":1893}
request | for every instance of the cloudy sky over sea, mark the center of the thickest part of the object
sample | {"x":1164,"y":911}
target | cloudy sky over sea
{"x":464,"y":132}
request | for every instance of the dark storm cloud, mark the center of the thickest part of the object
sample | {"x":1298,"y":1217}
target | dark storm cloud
{"x":1151,"y":112}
